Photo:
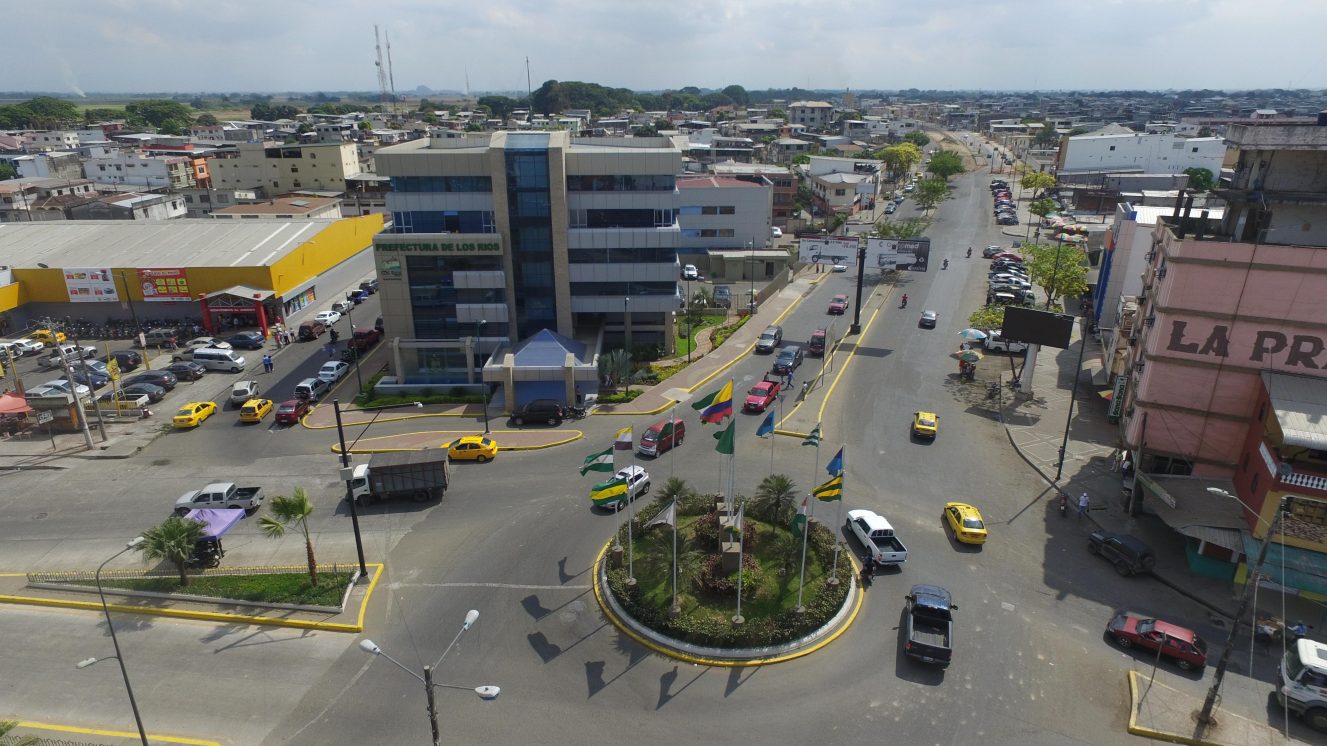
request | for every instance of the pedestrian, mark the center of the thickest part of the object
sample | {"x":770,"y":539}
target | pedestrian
{"x":331,"y":350}
{"x":267,"y":363}
{"x":1115,"y":460}
{"x":1082,"y":505}
{"x":1126,"y":467}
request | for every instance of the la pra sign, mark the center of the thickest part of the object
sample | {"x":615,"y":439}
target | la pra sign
{"x":1293,"y":351}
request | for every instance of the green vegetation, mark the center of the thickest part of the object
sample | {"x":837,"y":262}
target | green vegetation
{"x":905,"y":228}
{"x":172,"y":541}
{"x":945,"y":164}
{"x":1060,"y":269}
{"x":987,"y":317}
{"x":931,"y":192}
{"x":1037,"y":181}
{"x":285,"y":512}
{"x":689,"y":331}
{"x":707,"y":595}
{"x":167,"y":117}
{"x":1042,"y":207}
{"x":620,"y":397}
{"x":42,"y":112}
{"x":278,"y":588}
{"x":723,"y":332}
{"x":918,"y":138}
{"x":1200,"y":179}
{"x":7,"y":171}
{"x":899,"y":159}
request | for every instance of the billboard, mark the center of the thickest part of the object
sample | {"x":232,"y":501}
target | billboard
{"x":902,"y":254}
{"x":164,"y":285}
{"x":827,"y":250}
{"x":90,"y":285}
{"x":1037,"y":327}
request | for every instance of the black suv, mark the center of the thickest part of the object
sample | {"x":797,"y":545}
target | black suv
{"x":788,"y":360}
{"x":550,"y":411}
{"x":1128,"y":553}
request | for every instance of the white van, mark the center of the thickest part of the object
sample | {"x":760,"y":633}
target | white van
{"x":215,"y":359}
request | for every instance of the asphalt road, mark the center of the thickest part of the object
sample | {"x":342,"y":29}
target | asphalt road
{"x":516,"y":539}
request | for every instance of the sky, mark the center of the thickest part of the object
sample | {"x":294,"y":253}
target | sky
{"x":80,"y":46}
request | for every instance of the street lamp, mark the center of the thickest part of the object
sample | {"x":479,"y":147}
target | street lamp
{"x":751,"y":307}
{"x":485,"y":692}
{"x":348,"y":473}
{"x":119,"y":656}
{"x":479,"y":332}
{"x":350,"y":345}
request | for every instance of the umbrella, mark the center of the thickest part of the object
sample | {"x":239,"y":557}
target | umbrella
{"x":967,"y":356}
{"x":973,"y":335}
{"x":13,"y":404}
{"x":1108,"y":394}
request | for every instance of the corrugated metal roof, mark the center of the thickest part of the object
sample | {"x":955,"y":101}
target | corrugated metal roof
{"x":1300,"y":404}
{"x":185,"y":242}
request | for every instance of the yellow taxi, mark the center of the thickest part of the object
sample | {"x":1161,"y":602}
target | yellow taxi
{"x":966,"y":523}
{"x":473,"y":448}
{"x":48,"y":337}
{"x":193,"y":413}
{"x":925,"y":424}
{"x":255,"y":410}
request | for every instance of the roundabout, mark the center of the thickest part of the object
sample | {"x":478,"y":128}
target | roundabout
{"x":672,"y":584}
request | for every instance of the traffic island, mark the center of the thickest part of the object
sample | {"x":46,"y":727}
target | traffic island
{"x":702,"y":624}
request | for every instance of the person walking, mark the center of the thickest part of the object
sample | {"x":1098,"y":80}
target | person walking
{"x":267,"y":364}
{"x":1082,"y":505}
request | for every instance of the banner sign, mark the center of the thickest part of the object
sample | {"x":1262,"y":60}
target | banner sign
{"x":164,"y":285}
{"x":90,"y":285}
{"x":827,"y":250}
{"x":901,"y":254}
{"x":1117,"y":398}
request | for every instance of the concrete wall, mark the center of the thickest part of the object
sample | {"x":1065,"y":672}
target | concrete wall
{"x":1150,"y":153}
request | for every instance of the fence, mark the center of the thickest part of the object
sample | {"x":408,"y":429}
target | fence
{"x":74,"y":576}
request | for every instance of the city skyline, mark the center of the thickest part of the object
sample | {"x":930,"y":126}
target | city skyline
{"x":834,"y":45}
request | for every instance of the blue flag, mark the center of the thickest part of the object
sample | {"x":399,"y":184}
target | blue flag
{"x":766,"y":427}
{"x":835,"y":465}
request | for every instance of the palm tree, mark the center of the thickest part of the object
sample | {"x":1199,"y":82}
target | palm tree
{"x":6,"y":726}
{"x":774,"y":498}
{"x":675,"y":489}
{"x":172,"y":541}
{"x":295,"y":509}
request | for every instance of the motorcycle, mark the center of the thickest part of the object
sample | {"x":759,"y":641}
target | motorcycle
{"x":1064,"y":505}
{"x":969,"y":252}
{"x":904,"y":303}
{"x":945,"y":265}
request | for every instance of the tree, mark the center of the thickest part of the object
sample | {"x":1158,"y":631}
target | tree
{"x":774,"y":499}
{"x":931,"y":192}
{"x":6,"y":727}
{"x":1200,"y":178}
{"x":737,"y":94}
{"x":161,"y":114}
{"x":644,"y":130}
{"x":1046,"y":136}
{"x":1059,"y":269}
{"x":918,"y":138}
{"x":987,"y":317}
{"x":102,"y":114}
{"x":206,"y":119}
{"x":1035,"y":181}
{"x":905,"y":228}
{"x":675,"y":489}
{"x":1042,"y":207}
{"x":1204,"y":131}
{"x":295,"y":509}
{"x":500,"y":106}
{"x":173,"y":541}
{"x":7,"y":171}
{"x":777,"y":114}
{"x":364,"y":125}
{"x":615,"y":367}
{"x":945,"y":164}
{"x":801,"y":159}
{"x":900,"y":159}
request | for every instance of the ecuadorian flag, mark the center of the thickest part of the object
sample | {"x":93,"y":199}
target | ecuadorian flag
{"x":718,"y":405}
{"x":609,"y":492}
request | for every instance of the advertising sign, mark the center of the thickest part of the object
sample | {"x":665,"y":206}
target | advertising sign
{"x":827,"y":250}
{"x":90,"y":285}
{"x":164,"y":285}
{"x":902,"y":254}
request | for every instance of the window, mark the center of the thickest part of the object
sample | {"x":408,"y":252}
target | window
{"x":840,"y":192}
{"x":1178,"y":145}
{"x":1253,"y":485}
{"x":1195,"y":150}
{"x":1112,"y":147}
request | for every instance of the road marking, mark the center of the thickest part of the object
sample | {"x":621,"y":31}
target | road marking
{"x":114,"y":733}
{"x":515,"y":586}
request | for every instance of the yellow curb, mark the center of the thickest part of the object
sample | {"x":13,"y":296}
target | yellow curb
{"x":792,"y":434}
{"x":1157,"y":735}
{"x":336,"y":447}
{"x":205,"y":616}
{"x":842,"y":368}
{"x":114,"y":733}
{"x":720,"y":662}
{"x":722,"y":368}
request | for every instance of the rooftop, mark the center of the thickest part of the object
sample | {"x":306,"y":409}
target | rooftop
{"x":709,"y":182}
{"x":279,"y":206}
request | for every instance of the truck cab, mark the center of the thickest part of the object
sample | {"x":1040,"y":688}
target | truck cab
{"x":876,"y":535}
{"x":930,"y":625}
{"x":1303,"y":688}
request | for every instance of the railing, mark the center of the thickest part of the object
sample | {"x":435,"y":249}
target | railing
{"x":1311,"y":481}
{"x":73,"y":576}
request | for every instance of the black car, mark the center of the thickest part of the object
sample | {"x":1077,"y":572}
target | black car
{"x":1128,"y":553}
{"x":550,"y":411}
{"x":1007,"y":220}
{"x":357,"y":296}
{"x":126,"y":359}
{"x":246,"y":341}
{"x":928,"y":319}
{"x":789,"y":358}
{"x":89,"y":378}
{"x":162,"y":378}
{"x":369,"y":286}
{"x":186,"y":370}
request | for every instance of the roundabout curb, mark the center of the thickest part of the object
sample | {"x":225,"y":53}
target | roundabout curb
{"x":707,"y":656}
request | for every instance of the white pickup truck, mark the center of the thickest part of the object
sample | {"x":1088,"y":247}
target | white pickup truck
{"x":877,"y":537}
{"x":221,"y":495}
{"x":994,"y":342}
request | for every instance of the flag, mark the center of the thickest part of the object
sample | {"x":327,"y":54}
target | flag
{"x":611,"y":491}
{"x":725,"y":438}
{"x":666,"y":517}
{"x":835,"y":465}
{"x":830,"y":491}
{"x":718,"y":406}
{"x":799,"y":520}
{"x":623,"y":442}
{"x":814,"y":438}
{"x":766,"y":427}
{"x":601,"y":461}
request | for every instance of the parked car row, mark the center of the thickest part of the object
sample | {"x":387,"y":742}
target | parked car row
{"x":1006,"y":209}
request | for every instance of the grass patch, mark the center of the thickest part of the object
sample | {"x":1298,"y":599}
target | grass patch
{"x":620,"y":397}
{"x":280,"y":588}
{"x":721,"y":334}
{"x":688,"y":335}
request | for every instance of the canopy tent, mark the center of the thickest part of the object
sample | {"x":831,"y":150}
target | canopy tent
{"x":13,"y":404}
{"x":216,"y":521}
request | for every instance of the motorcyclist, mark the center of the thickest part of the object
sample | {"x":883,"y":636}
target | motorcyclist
{"x":945,"y":265}
{"x":969,"y":252}
{"x":905,"y":300}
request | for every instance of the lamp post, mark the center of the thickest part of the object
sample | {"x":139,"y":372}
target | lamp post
{"x":626,"y":337}
{"x":350,"y":345}
{"x":1055,"y":273}
{"x":751,"y":260}
{"x":119,"y":656}
{"x":348,"y":473}
{"x":479,"y":333}
{"x":486,"y":691}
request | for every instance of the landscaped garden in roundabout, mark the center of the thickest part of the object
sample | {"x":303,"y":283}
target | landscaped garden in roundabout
{"x":702,"y":612}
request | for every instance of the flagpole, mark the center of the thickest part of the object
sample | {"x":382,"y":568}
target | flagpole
{"x":801,"y":576}
{"x":631,"y":516}
{"x":834,"y":574}
{"x":672,"y":453}
{"x":740,"y":547}
{"x":778,"y":406}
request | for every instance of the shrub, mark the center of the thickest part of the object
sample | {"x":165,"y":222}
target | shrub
{"x":620,"y":397}
{"x":722,"y":333}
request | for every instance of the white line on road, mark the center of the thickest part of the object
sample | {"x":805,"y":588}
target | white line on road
{"x":516,"y":586}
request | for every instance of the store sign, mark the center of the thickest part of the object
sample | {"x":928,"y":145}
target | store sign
{"x":1117,"y":398}
{"x":1269,"y":347}
{"x":828,"y":250}
{"x":901,"y":254}
{"x":164,"y":285}
{"x":90,"y":285}
{"x":442,"y":246}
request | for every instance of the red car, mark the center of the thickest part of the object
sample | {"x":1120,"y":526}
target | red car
{"x":838,"y":304}
{"x":760,"y":396}
{"x":816,"y":346}
{"x":291,"y":412}
{"x":1128,"y":630}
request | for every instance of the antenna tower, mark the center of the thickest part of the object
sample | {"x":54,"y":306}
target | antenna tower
{"x":382,"y":70}
{"x":391,"y":77}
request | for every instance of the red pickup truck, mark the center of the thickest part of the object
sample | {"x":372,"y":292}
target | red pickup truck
{"x":761,"y":396}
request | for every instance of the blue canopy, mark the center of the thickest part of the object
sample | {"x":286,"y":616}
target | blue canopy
{"x":216,"y":521}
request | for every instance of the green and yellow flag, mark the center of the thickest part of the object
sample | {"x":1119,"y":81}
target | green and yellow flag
{"x":601,"y":461}
{"x":830,"y":491}
{"x":609,"y":492}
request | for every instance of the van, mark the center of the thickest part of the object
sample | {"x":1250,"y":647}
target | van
{"x":311,"y":330}
{"x":158,"y":337}
{"x":311,"y":389}
{"x":662,"y":436}
{"x":213,"y":359}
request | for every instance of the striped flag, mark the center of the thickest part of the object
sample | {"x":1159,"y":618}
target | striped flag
{"x":611,"y":492}
{"x":799,"y":520}
{"x":814,"y":438}
{"x":830,"y":491}
{"x":601,"y":461}
{"x":715,"y":407}
{"x":623,"y":441}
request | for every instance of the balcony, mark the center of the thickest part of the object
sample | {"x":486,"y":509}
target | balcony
{"x":1306,"y":480}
